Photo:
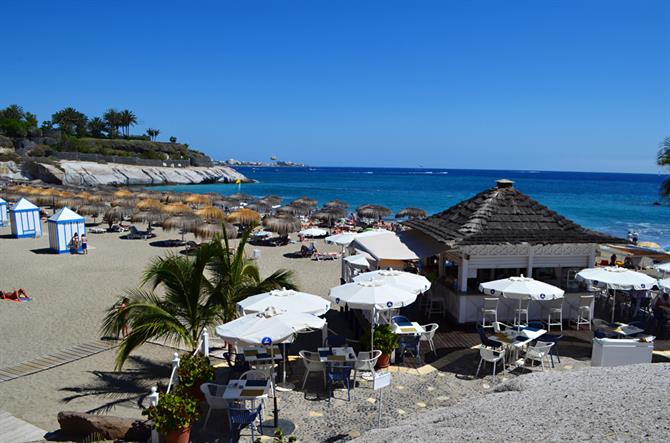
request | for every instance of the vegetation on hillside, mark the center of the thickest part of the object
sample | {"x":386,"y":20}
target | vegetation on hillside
{"x":70,"y":130}
{"x":663,"y":159}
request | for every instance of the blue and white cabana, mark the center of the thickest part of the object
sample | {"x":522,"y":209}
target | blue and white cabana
{"x":62,"y":226}
{"x":3,"y":213}
{"x":24,"y":218}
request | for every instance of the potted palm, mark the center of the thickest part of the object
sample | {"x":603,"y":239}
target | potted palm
{"x":386,"y":341}
{"x":174,"y":415}
{"x":193,"y":371}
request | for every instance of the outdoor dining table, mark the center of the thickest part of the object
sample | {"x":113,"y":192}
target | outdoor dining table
{"x":337,"y":355}
{"x":246,"y":390}
{"x":260,"y":354}
{"x":407,"y":328}
{"x":516,"y":338}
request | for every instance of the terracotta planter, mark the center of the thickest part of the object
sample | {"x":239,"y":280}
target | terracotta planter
{"x":384,"y":361}
{"x":180,"y":436}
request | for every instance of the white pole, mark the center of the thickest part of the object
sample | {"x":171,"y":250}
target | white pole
{"x":205,"y":343}
{"x":175,"y":366}
{"x":372,"y":330}
{"x":153,"y":401}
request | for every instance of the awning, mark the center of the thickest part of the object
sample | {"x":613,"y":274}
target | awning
{"x":406,"y":245}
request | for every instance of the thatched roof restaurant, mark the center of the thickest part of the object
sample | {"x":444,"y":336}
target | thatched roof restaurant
{"x":502,"y":232}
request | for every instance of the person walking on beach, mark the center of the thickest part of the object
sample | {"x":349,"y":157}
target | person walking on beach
{"x":84,"y":244}
{"x":123,"y":311}
{"x":74,"y":244}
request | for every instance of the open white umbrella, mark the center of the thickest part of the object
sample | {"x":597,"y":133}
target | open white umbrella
{"x":665,"y":284}
{"x":615,"y":278}
{"x":404,"y":280}
{"x":313,"y":232}
{"x":374,"y":295}
{"x":266,"y":328}
{"x":345,"y":238}
{"x":663,"y":267}
{"x":521,"y":288}
{"x":285,"y":300}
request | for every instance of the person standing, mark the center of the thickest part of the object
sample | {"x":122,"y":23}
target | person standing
{"x":84,"y":243}
{"x":123,"y":311}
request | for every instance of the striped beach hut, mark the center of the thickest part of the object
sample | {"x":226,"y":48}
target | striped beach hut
{"x":3,"y":213}
{"x":62,"y":226}
{"x":24,"y":217}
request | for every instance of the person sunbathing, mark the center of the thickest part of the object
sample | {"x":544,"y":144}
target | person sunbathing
{"x":16,"y":295}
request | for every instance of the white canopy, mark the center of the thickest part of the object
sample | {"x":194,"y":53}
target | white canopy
{"x":23,"y":205}
{"x":313,"y":232}
{"x":269,"y":326}
{"x":345,"y":238}
{"x":285,"y":300}
{"x":663,"y":267}
{"x":371,"y":295}
{"x":404,"y":280}
{"x":611,"y":277}
{"x":358,"y":260}
{"x":521,"y":288}
{"x":405,"y":245}
{"x":66,"y":215}
{"x":665,"y":284}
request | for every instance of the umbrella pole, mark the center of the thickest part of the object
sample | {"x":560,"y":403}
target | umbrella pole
{"x":272,"y":382}
{"x":372,"y":330}
{"x":613,"y":304}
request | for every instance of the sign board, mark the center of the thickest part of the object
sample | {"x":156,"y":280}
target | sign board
{"x":381,"y":380}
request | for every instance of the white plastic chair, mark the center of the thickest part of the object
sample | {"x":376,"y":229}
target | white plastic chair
{"x":435,"y":305}
{"x":254,"y":374}
{"x":521,"y":311}
{"x":489,"y":311}
{"x":214,"y":397}
{"x":539,"y":352}
{"x":499,"y":327}
{"x":366,"y":361}
{"x":584,"y":314}
{"x":312,"y":364}
{"x":490,"y":356}
{"x":429,"y":334}
{"x":555,"y":312}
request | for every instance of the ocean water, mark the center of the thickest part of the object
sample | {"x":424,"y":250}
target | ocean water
{"x":607,"y":202}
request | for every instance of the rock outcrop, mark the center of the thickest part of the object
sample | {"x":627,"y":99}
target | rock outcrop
{"x":78,"y":425}
{"x":80,"y":173}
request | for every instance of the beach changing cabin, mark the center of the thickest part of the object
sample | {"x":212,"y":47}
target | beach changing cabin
{"x":3,"y":213}
{"x":24,"y":218}
{"x":62,"y":226}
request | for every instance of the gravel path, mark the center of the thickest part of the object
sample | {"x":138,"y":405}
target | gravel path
{"x":628,"y":403}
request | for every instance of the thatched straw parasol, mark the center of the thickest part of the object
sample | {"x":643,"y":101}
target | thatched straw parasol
{"x":336,"y":204}
{"x":176,"y":208}
{"x":149,"y":204}
{"x":258,"y":206}
{"x":174,"y":197}
{"x":210,"y":213}
{"x":272,"y":199}
{"x":182,"y":223}
{"x":72,"y":203}
{"x":210,"y":230}
{"x":123,"y":193}
{"x":245,"y":216}
{"x":304,"y":201}
{"x":124,"y":202}
{"x":372,"y":211}
{"x":240,"y":197}
{"x":293,"y":209}
{"x":148,"y":217}
{"x":198,"y":199}
{"x":330,"y":214}
{"x":282,"y":224}
{"x":411,"y":213}
{"x":92,"y":210}
{"x":65,"y":194}
{"x":116,"y":214}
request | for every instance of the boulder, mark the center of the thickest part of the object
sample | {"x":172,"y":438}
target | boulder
{"x":43,"y":171}
{"x":78,"y":424}
{"x":6,"y":143}
{"x":10,"y":170}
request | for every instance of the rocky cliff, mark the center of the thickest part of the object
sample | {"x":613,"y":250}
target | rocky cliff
{"x":80,"y":173}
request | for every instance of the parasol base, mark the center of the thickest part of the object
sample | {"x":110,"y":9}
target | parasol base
{"x":285,"y":386}
{"x":286,"y":426}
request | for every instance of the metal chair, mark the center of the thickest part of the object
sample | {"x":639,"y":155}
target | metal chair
{"x":584,"y":313}
{"x":214,"y":397}
{"x":486,"y":342}
{"x":489,"y":310}
{"x":339,"y":373}
{"x":435,"y":304}
{"x":539,"y":352}
{"x":487,"y":355}
{"x":365,"y":362}
{"x":499,"y":327}
{"x":429,"y":334}
{"x":239,"y":418}
{"x":236,"y":363}
{"x":555,"y":313}
{"x":400,"y":319}
{"x":411,"y":343}
{"x":312,"y":364}
{"x":553,"y":352}
{"x":535,"y":324}
{"x":521,"y":311}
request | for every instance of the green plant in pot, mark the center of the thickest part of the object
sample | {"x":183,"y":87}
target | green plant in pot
{"x":193,"y":371}
{"x":384,"y":340}
{"x":174,"y":415}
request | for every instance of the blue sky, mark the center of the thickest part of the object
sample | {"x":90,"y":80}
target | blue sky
{"x":547,"y":85}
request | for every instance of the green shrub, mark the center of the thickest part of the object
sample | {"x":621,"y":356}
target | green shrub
{"x":194,"y":370}
{"x":175,"y":411}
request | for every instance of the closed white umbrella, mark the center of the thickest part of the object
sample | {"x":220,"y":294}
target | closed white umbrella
{"x":266,"y":328}
{"x":374,"y":295}
{"x":313,"y":232}
{"x":404,"y":280}
{"x":615,"y":278}
{"x":285,"y":300}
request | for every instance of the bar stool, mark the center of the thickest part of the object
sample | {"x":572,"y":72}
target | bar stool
{"x":521,"y":311}
{"x":555,"y":311}
{"x":490,"y":311}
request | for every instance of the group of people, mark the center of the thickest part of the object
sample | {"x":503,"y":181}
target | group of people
{"x":79,"y":243}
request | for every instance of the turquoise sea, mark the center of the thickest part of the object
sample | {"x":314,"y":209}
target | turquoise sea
{"x":608,"y":202}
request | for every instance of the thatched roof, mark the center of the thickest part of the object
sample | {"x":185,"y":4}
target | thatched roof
{"x":504,"y":215}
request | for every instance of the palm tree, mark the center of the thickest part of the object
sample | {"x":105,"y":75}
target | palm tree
{"x":96,"y":126}
{"x":153,"y":133}
{"x":190,"y":301}
{"x":663,"y":159}
{"x":127,"y":119}
{"x":236,"y":277}
{"x":70,"y":121}
{"x":111,"y":117}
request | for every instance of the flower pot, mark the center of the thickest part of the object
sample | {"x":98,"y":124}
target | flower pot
{"x":179,"y":436}
{"x":384,"y":361}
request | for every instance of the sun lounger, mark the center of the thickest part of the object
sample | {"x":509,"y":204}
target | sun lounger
{"x":318,"y":256}
{"x":136,"y":234}
{"x":97,"y":230}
